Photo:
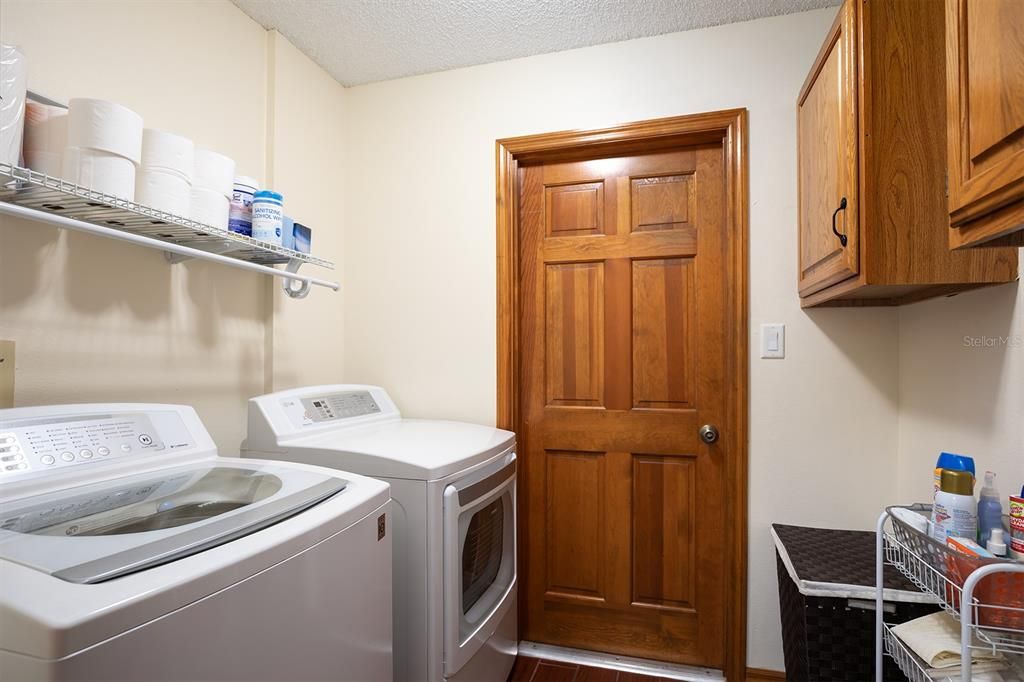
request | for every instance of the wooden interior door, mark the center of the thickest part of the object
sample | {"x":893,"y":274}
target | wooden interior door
{"x":625,"y":313}
{"x":827,"y":158}
{"x":985,"y":55}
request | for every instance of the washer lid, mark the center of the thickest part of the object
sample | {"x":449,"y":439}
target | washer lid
{"x":417,"y":449}
{"x":91,"y":533}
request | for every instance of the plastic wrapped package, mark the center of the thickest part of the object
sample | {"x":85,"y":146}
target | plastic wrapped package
{"x":13,"y":84}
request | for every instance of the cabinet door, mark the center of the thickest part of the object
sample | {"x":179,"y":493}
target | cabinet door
{"x":827,"y":138}
{"x":985,"y":90}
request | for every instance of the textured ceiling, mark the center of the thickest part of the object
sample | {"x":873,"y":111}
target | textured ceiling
{"x":362,"y":41}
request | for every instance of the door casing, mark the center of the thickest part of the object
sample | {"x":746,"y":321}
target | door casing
{"x":729,"y":127}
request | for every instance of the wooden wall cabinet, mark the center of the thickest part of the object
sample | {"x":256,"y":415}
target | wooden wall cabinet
{"x":871,"y":119}
{"x":985,"y":99}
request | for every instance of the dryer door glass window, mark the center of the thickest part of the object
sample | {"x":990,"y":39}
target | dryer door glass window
{"x":482,"y":551}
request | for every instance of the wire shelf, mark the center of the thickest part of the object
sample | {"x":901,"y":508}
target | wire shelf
{"x":909,"y":663}
{"x":997,"y":616}
{"x":31,"y":189}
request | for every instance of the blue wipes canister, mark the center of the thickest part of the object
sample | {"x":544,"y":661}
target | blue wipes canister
{"x":267,"y":216}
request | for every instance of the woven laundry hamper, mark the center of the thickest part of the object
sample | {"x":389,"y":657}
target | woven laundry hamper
{"x":827,"y":602}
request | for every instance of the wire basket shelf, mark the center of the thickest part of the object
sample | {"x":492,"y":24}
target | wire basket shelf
{"x":909,"y":663}
{"x":997,"y":612}
{"x":31,"y":189}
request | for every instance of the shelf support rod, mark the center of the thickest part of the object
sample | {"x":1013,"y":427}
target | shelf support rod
{"x":82,"y":226}
{"x":879,"y":593}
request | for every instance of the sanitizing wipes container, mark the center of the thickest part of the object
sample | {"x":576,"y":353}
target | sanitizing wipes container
{"x":267,"y":216}
{"x":240,"y":219}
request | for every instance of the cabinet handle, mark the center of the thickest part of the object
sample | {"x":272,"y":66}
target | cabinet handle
{"x":842,"y":207}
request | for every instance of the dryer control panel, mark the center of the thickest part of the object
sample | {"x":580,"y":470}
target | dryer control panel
{"x":54,"y":442}
{"x":329,"y":407}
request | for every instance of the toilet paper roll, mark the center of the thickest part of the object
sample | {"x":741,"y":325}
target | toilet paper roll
{"x":50,"y":163}
{"x":106,"y":126}
{"x":214,"y":172}
{"x":209,"y":207}
{"x":167,"y":151}
{"x":13,"y":82}
{"x":164,"y":191}
{"x":46,"y":128}
{"x":100,"y":171}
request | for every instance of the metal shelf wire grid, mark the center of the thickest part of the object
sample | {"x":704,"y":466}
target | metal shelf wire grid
{"x":933,"y":567}
{"x":910,"y":664}
{"x":35,"y":190}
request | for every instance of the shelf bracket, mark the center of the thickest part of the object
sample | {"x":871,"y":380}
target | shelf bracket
{"x":287,"y":284}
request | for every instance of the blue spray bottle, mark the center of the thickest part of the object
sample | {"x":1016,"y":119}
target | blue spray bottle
{"x":990,"y":509}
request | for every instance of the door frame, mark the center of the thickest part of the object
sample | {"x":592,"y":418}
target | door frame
{"x":729,"y":127}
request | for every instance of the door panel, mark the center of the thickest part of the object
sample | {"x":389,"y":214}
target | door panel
{"x":575,"y":334}
{"x":624,"y":314}
{"x":663,"y":328}
{"x":575,"y":538}
{"x":826,"y":122}
{"x":663,"y":535}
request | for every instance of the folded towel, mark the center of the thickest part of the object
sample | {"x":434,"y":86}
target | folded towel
{"x":936,"y":639}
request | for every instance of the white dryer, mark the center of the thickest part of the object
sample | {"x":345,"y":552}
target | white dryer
{"x":454,"y":489}
{"x":130,"y":551}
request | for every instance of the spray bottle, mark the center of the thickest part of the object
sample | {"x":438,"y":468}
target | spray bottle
{"x":990,"y":509}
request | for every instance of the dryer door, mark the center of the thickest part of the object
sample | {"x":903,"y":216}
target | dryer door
{"x":479,"y":558}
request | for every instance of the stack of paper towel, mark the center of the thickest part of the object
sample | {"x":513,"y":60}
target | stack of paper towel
{"x":104,"y":147}
{"x":164,"y":181}
{"x":46,"y":135}
{"x":13,"y":83}
{"x":212,"y":184}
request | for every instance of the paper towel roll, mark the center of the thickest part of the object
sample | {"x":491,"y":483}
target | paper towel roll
{"x":46,"y":128}
{"x":13,"y":81}
{"x":106,"y":126}
{"x":100,"y":171}
{"x":50,"y":163}
{"x":209,"y":207}
{"x":214,"y":172}
{"x":163,"y":190}
{"x":167,"y":151}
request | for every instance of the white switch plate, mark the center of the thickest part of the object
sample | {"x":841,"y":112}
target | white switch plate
{"x":6,"y":373}
{"x":773,"y":340}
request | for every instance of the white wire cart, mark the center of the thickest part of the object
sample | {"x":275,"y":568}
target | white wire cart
{"x":986,"y":596}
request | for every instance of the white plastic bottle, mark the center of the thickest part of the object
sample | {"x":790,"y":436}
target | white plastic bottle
{"x":955,"y":513}
{"x":997,"y":543}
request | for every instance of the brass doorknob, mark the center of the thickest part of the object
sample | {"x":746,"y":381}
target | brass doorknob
{"x":708,"y":433}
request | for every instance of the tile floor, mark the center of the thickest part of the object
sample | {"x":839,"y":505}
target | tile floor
{"x":529,"y":669}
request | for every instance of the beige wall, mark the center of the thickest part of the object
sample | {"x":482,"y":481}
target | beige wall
{"x":97,"y":320}
{"x":962,"y":387}
{"x":420,"y":258}
{"x":308,"y":132}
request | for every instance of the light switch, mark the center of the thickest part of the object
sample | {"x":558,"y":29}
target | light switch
{"x":773,"y":340}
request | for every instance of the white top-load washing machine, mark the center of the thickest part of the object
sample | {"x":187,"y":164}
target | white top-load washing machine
{"x":130,"y":551}
{"x":454,"y":489}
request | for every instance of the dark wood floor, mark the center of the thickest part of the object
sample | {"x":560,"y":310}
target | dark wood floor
{"x":537,"y":670}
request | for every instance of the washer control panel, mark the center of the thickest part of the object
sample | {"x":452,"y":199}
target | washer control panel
{"x":328,"y":408}
{"x":42,"y":444}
